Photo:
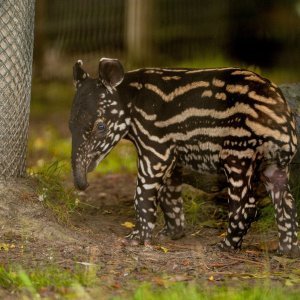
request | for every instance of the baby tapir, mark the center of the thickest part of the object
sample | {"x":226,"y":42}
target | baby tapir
{"x":225,"y":120}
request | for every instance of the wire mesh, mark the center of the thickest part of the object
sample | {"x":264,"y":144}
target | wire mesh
{"x":16,"y":46}
{"x":196,"y":33}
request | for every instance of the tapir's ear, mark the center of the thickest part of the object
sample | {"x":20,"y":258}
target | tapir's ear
{"x":78,"y":73}
{"x":111,"y":72}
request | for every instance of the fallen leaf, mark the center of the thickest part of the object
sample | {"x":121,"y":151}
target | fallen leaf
{"x":4,"y":246}
{"x":116,"y":285}
{"x":271,"y":245}
{"x":211,"y":278}
{"x":164,"y":249}
{"x":128,"y":225}
{"x":159,"y":281}
{"x":186,"y":262}
{"x":288,"y":282}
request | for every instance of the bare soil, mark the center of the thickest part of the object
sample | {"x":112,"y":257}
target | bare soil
{"x":31,"y":236}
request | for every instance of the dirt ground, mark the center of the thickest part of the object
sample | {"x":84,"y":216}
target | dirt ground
{"x":31,"y":236}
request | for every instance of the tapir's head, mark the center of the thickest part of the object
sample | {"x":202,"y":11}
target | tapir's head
{"x":98,"y":119}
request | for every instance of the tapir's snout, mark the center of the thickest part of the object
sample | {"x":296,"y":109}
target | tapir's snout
{"x":80,"y":180}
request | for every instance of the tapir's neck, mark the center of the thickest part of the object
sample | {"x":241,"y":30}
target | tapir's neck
{"x":127,"y":89}
{"x":128,"y":94}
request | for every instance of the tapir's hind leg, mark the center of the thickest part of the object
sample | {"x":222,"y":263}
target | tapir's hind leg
{"x":276,"y":182}
{"x":242,"y":203}
{"x":170,"y":201}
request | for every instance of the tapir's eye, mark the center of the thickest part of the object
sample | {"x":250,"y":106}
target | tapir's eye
{"x":101,"y":127}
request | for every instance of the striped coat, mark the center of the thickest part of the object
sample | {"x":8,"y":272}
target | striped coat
{"x":226,"y":120}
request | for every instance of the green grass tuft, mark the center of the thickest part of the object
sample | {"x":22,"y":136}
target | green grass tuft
{"x":54,"y":279}
{"x":52,"y":192}
{"x":266,"y":219}
{"x":201,"y":210}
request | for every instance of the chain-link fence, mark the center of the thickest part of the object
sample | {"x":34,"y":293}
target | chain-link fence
{"x":16,"y":45}
{"x":196,"y":33}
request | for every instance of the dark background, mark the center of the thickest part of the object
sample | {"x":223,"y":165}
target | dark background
{"x":260,"y":34}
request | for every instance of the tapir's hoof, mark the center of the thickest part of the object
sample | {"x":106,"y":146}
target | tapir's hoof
{"x":293,"y":252}
{"x":172,"y":234}
{"x":228,"y":248}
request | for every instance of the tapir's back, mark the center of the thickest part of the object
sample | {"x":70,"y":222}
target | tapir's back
{"x":214,"y":110}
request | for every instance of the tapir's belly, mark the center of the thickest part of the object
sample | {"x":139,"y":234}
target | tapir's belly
{"x":200,"y":156}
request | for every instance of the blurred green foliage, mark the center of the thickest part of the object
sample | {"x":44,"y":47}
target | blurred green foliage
{"x":51,"y":98}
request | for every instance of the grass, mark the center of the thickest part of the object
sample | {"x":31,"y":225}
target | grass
{"x":200,"y":209}
{"x":54,"y":282}
{"x":193,"y":291}
{"x":266,"y":219}
{"x":52,"y":192}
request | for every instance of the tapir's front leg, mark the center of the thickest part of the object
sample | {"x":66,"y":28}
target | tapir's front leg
{"x":145,"y":204}
{"x":151,"y":175}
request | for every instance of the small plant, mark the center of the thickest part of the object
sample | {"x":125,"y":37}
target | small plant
{"x":265,"y":218}
{"x":52,"y":192}
{"x":200,"y":209}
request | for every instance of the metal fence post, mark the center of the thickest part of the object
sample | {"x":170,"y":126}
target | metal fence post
{"x":139,"y":24}
{"x":16,"y":47}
